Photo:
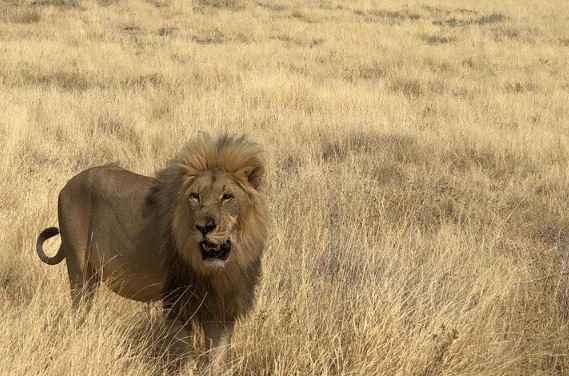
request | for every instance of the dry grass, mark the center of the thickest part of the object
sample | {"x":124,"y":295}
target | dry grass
{"x":418,"y":176}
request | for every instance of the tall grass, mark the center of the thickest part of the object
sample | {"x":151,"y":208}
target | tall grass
{"x":417,"y":177}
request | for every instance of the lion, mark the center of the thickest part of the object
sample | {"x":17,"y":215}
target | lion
{"x":192,"y":236}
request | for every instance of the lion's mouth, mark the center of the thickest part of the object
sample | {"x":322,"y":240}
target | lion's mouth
{"x":215,"y":251}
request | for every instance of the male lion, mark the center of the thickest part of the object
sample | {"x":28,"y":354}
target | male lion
{"x":191,"y":237}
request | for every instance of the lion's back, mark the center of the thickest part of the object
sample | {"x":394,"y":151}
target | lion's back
{"x":109,"y":181}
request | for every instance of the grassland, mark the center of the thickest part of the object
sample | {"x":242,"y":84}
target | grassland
{"x":417,"y":155}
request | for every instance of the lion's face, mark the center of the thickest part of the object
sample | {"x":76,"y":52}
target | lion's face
{"x":214,"y":199}
{"x":214,"y":202}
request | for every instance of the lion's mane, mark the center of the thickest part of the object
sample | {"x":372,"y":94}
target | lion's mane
{"x":190,"y":290}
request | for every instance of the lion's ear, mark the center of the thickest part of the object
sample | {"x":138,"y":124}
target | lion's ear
{"x":254,"y":175}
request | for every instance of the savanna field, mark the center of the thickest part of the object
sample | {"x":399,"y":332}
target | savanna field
{"x":418,"y":182}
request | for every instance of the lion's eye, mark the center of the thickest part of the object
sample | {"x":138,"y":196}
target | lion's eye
{"x":194,"y":196}
{"x":227,"y":196}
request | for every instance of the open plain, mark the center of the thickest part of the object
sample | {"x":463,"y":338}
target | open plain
{"x":418,"y":180}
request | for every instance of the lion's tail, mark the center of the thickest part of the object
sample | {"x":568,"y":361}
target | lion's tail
{"x":42,"y":237}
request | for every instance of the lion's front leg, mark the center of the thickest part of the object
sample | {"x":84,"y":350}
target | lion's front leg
{"x":179,"y":351}
{"x":218,"y":337}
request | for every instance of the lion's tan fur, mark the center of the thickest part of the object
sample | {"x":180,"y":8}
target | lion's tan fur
{"x":162,"y":242}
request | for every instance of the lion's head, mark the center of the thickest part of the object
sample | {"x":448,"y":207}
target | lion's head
{"x":212,"y":193}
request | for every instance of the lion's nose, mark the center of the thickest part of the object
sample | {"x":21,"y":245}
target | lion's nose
{"x":208,"y":227}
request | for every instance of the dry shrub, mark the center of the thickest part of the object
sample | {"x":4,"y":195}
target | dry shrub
{"x":20,"y":15}
{"x":64,"y":80}
{"x":436,"y":39}
{"x":391,"y":17}
{"x":461,"y":21}
{"x":57,"y":3}
{"x":410,"y":88}
{"x":222,"y":4}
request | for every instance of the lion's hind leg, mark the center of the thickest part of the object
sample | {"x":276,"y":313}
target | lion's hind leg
{"x":83,"y":280}
{"x":83,"y":291}
{"x":76,"y":235}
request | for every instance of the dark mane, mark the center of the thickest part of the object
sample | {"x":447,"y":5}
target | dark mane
{"x":188,"y":296}
{"x":228,"y":294}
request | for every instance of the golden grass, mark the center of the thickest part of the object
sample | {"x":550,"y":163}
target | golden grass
{"x":417,"y":168}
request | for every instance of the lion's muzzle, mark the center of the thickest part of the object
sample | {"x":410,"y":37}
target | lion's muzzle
{"x":211,"y":250}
